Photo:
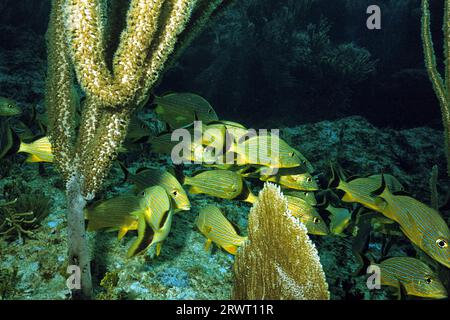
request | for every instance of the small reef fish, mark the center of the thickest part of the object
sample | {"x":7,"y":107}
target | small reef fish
{"x":413,"y":276}
{"x":423,"y":225}
{"x":223,"y":184}
{"x":246,"y":195}
{"x":216,"y":228}
{"x":308,"y":215}
{"x":159,"y":177}
{"x":155,"y":221}
{"x":360,"y":189}
{"x":309,"y":197}
{"x":117,"y":213}
{"x":297,"y":181}
{"x":39,"y":150}
{"x":9,"y":108}
{"x":181,"y":109}
{"x":339,"y":220}
{"x":266,"y":150}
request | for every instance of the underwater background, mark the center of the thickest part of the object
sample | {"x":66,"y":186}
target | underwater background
{"x":336,"y":90}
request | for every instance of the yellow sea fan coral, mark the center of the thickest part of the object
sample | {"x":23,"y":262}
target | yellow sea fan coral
{"x":279,"y":261}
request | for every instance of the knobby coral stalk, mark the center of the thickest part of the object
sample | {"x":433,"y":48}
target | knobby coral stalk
{"x":114,"y":85}
{"x":441,"y":86}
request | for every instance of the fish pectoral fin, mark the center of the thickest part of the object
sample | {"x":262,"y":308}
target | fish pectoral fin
{"x":208,"y":244}
{"x":230,"y":249}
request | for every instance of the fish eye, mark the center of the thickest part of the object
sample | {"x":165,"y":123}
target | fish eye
{"x":428,"y":280}
{"x":10,"y":106}
{"x":309,"y":179}
{"x":175,"y":193}
{"x":441,"y":243}
{"x":291,"y":154}
{"x":316,"y":220}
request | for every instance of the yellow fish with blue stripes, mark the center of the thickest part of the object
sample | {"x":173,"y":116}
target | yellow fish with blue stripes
{"x":117,"y":213}
{"x":360,"y":190}
{"x":413,"y":276}
{"x":423,"y":225}
{"x":39,"y":150}
{"x":308,"y":215}
{"x":181,"y":109}
{"x":216,"y":228}
{"x":149,"y":177}
{"x":266,"y":150}
{"x":154,"y":221}
{"x":223,"y":184}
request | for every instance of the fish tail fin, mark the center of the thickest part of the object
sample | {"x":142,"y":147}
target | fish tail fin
{"x":125,"y":171}
{"x":24,"y":148}
{"x":186,"y":180}
{"x":337,"y":176}
{"x":251,"y":198}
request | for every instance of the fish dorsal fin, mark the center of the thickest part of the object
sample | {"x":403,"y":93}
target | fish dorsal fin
{"x":382,"y":188}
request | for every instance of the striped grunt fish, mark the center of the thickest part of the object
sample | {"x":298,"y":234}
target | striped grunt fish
{"x":266,"y":150}
{"x":223,"y":184}
{"x":182,"y":109}
{"x":360,"y":189}
{"x":114,"y":214}
{"x":308,"y":215}
{"x":412,"y":275}
{"x":216,"y":228}
{"x":423,"y":225}
{"x":154,"y":222}
{"x":159,"y":177}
